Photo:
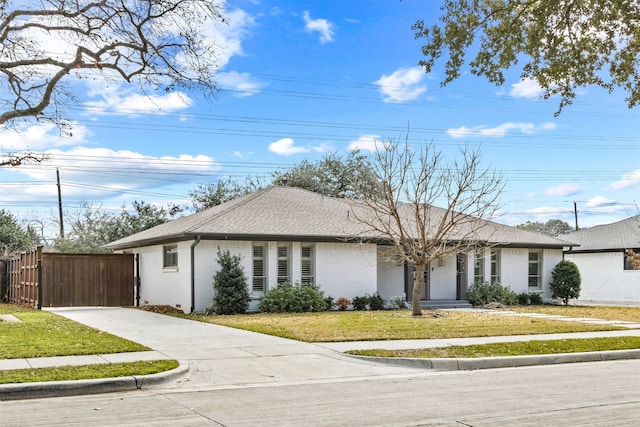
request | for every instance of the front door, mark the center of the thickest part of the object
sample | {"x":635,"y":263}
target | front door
{"x":409,"y":275}
{"x":461,"y":278}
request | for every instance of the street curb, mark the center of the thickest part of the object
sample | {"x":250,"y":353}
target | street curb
{"x":469,"y":364}
{"x":94,"y":386}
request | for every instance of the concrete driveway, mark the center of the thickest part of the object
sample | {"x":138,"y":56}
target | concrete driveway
{"x":222,"y":357}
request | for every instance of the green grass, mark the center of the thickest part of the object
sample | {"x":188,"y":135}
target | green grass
{"x":393,"y":325}
{"x":44,"y":334}
{"x":83,"y":372}
{"x":623,"y":313}
{"x":511,"y":348}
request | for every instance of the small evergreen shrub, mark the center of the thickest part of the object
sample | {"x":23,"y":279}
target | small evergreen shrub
{"x":360,"y":302}
{"x":329,"y":303}
{"x":530,"y":298}
{"x":483,"y":293}
{"x":289,"y":298}
{"x":230,"y":286}
{"x":523,"y":298}
{"x":343,"y":303}
{"x":376,"y":302}
{"x":565,"y":281}
{"x":368,"y":302}
{"x":535,"y":298}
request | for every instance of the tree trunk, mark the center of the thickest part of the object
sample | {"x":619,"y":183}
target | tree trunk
{"x":418,"y":279}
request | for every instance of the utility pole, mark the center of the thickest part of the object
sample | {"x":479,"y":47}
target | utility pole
{"x":60,"y":204}
{"x":575,"y":213}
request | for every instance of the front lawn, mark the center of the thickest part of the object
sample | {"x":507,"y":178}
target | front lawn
{"x":44,"y":334}
{"x":395,"y":325}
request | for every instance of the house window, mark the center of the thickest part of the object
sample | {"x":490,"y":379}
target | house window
{"x":535,"y":275}
{"x":306,"y":261}
{"x":495,"y":266}
{"x":259,"y":273}
{"x":170,"y":256}
{"x":284,"y":274}
{"x":478,"y":266}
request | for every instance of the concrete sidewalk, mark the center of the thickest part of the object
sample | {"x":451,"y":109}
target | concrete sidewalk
{"x":213,"y":356}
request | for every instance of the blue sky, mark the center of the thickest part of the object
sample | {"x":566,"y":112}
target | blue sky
{"x":301,"y":78}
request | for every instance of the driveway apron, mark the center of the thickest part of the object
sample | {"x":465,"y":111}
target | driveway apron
{"x":224,"y":357}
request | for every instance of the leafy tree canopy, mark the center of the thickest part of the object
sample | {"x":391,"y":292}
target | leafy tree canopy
{"x":13,"y":237}
{"x":92,"y":227}
{"x":350,"y":176}
{"x":553,"y":227}
{"x":561,"y":45}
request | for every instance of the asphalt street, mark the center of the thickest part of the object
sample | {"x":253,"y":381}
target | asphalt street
{"x":581,"y":394}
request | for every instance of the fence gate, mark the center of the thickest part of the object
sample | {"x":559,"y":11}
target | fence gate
{"x":70,"y":280}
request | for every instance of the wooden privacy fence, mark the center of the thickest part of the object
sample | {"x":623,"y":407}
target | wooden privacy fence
{"x":42,"y":279}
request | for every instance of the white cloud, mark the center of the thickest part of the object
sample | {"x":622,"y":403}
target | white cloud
{"x":500,"y":130}
{"x":600,"y":201}
{"x":243,"y":84}
{"x":546,"y":211}
{"x":321,"y":26}
{"x":526,"y":88}
{"x":365,"y":142}
{"x":402,"y":85}
{"x":563,"y":190}
{"x":40,"y":137}
{"x":286,"y":147}
{"x":117,"y":99}
{"x":628,"y":180}
{"x":103,"y":174}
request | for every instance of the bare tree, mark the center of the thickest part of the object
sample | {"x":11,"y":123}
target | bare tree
{"x":406,"y":215}
{"x":160,"y":45}
{"x":22,"y":157}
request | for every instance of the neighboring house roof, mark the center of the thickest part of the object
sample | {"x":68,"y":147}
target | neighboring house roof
{"x":616,"y":236}
{"x":289,"y":213}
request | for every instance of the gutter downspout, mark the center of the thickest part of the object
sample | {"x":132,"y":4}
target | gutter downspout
{"x":193,"y":274}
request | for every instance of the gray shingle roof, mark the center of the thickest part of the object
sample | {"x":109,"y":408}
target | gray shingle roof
{"x":618,"y":235}
{"x":290,"y":213}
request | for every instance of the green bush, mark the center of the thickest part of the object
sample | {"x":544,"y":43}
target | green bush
{"x":483,"y":293}
{"x":565,"y":281}
{"x":530,"y":298}
{"x":230,"y":286}
{"x":376,"y":302}
{"x":535,"y":298}
{"x":360,"y":302}
{"x":329,"y":303}
{"x":368,"y":302}
{"x":288,"y":298}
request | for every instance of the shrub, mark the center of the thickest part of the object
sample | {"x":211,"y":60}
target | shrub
{"x":343,"y":303}
{"x":523,"y":298}
{"x":565,"y":281}
{"x":483,"y":293}
{"x":529,"y":298}
{"x":288,"y":298}
{"x":230,"y":285}
{"x":368,"y":302}
{"x":396,"y":303}
{"x":535,"y":299}
{"x":376,"y":302}
{"x":329,"y":303}
{"x":360,"y":302}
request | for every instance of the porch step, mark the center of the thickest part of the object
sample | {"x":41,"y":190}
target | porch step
{"x":445,"y":303}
